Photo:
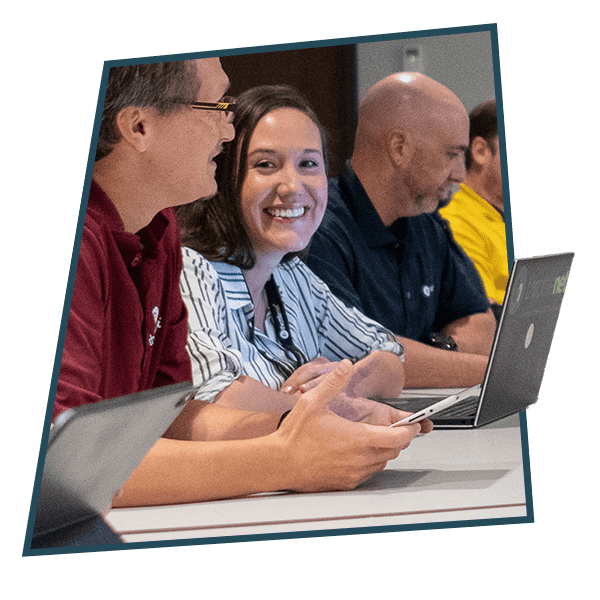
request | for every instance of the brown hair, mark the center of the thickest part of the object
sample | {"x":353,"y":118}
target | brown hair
{"x":483,"y":123}
{"x":215,"y":227}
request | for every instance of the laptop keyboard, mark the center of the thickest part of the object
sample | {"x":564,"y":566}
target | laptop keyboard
{"x":463,"y":410}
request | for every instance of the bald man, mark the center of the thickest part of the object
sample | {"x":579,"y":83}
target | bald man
{"x":383,"y":249}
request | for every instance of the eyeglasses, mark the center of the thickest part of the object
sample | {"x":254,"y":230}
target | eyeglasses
{"x":227,"y":107}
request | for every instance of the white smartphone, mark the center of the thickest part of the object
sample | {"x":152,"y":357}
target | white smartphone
{"x":438,"y":406}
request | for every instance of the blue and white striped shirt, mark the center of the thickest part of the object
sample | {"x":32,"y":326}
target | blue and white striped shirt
{"x":223,"y":344}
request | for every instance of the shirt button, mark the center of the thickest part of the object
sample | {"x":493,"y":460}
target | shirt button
{"x":137,"y":260}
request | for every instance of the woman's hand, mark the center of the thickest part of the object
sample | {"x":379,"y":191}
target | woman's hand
{"x":308,"y":376}
{"x":378,"y":375}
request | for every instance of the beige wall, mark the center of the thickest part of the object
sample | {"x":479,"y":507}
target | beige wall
{"x":462,"y":62}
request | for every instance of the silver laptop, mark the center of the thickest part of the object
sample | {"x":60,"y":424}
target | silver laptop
{"x":93,"y":449}
{"x":520,"y":350}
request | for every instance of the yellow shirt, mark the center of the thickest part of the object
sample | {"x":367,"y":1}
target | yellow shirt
{"x":479,"y":228}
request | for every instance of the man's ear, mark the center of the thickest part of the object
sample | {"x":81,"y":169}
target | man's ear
{"x":481,"y":153}
{"x":398,"y":147}
{"x":132,"y":124}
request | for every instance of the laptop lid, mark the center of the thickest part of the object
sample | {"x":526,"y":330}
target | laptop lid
{"x":93,"y":449}
{"x":524,"y":336}
{"x":519,"y":352}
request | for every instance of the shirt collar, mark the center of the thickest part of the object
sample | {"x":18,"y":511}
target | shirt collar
{"x":234,"y":285}
{"x":147,"y":238}
{"x":102,"y":205}
{"x":375,"y":233}
{"x":486,"y":207}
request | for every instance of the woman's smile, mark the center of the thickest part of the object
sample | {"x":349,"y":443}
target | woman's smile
{"x":286,"y":214}
{"x":284,"y":194}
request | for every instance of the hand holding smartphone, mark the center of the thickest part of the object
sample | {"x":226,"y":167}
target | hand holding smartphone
{"x":438,"y":406}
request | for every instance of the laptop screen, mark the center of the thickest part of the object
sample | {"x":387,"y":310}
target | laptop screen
{"x":526,"y":331}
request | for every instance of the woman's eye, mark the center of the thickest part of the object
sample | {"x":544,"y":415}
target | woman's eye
{"x":264,"y":164}
{"x":309,"y":163}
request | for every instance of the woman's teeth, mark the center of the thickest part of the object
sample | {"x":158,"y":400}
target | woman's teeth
{"x":288,"y":213}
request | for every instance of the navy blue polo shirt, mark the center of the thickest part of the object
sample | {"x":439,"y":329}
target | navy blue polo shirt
{"x":412,"y":277}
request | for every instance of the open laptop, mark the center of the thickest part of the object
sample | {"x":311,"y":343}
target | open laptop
{"x":520,"y":350}
{"x":93,"y":449}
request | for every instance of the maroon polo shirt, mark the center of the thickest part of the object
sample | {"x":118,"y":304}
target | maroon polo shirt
{"x":127,"y":326}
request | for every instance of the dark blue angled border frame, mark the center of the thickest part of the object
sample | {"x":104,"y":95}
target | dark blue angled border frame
{"x":27,"y":551}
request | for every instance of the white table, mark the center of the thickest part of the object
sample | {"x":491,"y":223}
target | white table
{"x":446,"y":476}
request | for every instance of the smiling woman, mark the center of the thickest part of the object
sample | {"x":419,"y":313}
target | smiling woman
{"x":284,"y":194}
{"x":215,"y":228}
{"x":259,"y":319}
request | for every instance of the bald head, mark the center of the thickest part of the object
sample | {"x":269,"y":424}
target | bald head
{"x":411,"y":101}
{"x":410,"y":142}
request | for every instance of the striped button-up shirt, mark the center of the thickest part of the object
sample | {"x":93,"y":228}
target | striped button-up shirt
{"x":224,"y":344}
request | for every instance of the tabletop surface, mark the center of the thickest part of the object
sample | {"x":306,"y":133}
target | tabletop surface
{"x":445,"y":476}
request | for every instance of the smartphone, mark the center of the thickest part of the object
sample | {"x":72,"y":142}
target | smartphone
{"x":439,"y":406}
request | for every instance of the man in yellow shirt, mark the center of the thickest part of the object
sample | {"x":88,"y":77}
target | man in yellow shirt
{"x":476,"y":212}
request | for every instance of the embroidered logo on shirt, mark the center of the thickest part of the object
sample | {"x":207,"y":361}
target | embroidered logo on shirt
{"x":156,"y":318}
{"x":427,"y":290}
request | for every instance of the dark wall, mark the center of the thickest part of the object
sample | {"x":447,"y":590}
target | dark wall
{"x":326,"y":76}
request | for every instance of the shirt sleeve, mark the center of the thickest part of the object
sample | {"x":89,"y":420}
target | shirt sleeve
{"x":345,"y":332}
{"x":477,"y":248}
{"x":215,"y":363}
{"x":80,"y":374}
{"x":463,"y":293}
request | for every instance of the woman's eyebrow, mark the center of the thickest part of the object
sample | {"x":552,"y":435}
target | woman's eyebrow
{"x":261,"y":151}
{"x":271,"y":151}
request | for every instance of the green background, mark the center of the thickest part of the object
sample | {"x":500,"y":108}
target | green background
{"x":52,"y":62}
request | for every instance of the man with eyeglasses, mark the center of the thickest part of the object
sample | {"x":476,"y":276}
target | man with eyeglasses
{"x":162,"y":126}
{"x":127,"y":324}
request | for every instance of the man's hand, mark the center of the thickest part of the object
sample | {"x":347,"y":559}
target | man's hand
{"x":327,"y":452}
{"x":364,"y":410}
{"x":473,"y":334}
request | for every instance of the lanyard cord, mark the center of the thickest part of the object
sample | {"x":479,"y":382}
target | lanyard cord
{"x":280,"y":321}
